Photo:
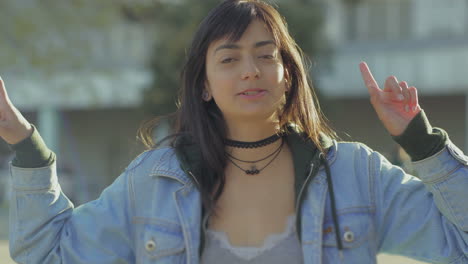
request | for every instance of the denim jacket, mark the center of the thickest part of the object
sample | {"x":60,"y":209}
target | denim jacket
{"x":152,"y":212}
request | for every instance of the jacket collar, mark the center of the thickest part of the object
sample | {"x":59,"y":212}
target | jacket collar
{"x":176,"y":163}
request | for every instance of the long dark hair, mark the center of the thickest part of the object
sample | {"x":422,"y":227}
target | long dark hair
{"x":202,"y":122}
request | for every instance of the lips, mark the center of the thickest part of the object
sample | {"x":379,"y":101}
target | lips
{"x":251,"y":92}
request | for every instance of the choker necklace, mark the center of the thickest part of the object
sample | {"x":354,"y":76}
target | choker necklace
{"x":255,"y":161}
{"x":255,"y":144}
{"x":253,"y":169}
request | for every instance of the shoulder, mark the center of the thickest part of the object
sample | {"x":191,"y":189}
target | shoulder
{"x":356,"y":156}
{"x":360,"y":157}
{"x":156,"y":169}
{"x":349,"y":149}
{"x":152,"y":161}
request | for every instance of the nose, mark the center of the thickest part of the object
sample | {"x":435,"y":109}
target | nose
{"x":250,"y":70}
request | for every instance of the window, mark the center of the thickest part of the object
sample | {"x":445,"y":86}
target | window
{"x":378,"y":20}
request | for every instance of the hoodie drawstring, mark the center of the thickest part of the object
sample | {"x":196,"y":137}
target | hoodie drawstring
{"x":333,"y":206}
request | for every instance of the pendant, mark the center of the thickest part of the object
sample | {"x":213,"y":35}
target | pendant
{"x":253,"y":170}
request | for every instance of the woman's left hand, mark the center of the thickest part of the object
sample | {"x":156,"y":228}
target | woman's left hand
{"x":396,"y":105}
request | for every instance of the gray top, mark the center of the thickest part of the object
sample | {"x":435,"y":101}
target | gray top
{"x":277,"y":248}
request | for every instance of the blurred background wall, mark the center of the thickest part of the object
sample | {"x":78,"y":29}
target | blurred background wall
{"x":77,"y":69}
{"x":423,"y":42}
{"x":87,"y":73}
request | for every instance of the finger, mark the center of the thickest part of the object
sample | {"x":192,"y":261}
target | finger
{"x":369,"y":80}
{"x":392,"y":85}
{"x":406,"y":95}
{"x":3,"y":92}
{"x":391,"y":97}
{"x":414,"y":99}
{"x":404,"y":91}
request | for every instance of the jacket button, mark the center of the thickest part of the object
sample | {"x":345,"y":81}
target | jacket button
{"x":348,"y":236}
{"x":150,"y":245}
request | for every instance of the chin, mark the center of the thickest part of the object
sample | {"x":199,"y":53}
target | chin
{"x":259,"y":114}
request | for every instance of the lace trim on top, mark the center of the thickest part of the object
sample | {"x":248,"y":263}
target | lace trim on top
{"x":250,"y":252}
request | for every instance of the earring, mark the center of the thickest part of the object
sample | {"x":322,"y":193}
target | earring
{"x":205,"y":95}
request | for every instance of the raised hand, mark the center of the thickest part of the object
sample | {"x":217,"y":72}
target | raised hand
{"x":396,"y":105}
{"x":13,"y":126}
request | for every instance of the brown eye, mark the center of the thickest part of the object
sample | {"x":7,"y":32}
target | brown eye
{"x":267,"y":57}
{"x":227,"y":60}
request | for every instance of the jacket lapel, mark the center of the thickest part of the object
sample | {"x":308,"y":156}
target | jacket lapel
{"x":188,"y":203}
{"x":312,"y":215}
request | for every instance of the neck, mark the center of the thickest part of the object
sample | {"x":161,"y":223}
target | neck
{"x":250,"y":131}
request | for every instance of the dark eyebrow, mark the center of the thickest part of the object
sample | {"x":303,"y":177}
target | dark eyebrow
{"x":235,"y":46}
{"x":227,"y":46}
{"x":263,"y":43}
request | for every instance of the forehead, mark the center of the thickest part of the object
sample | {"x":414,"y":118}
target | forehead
{"x":256,"y":31}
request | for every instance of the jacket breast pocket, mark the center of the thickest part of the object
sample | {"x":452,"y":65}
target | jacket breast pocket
{"x":158,"y":241}
{"x":355,"y":233}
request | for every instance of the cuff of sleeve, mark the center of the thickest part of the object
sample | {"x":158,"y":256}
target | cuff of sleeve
{"x":32,"y":152}
{"x":420,"y":140}
{"x":438,"y":166}
{"x":32,"y":179}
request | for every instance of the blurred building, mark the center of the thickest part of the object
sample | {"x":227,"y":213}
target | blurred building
{"x":77,"y":69}
{"x":423,"y":42}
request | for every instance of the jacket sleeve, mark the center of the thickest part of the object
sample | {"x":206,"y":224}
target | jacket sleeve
{"x":46,"y":228}
{"x":424,"y":218}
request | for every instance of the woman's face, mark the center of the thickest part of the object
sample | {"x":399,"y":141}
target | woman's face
{"x":246,"y":78}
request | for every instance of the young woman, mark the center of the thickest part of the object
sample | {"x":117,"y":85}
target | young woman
{"x":252,"y":172}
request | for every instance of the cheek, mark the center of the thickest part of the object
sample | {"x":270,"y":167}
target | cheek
{"x":275,"y":74}
{"x":222,"y":82}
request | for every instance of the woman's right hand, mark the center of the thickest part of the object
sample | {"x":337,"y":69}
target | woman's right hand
{"x":13,"y":126}
{"x":396,"y":105}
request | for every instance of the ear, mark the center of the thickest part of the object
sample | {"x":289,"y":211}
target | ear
{"x":206,"y":93}
{"x":286,"y":73}
{"x":207,"y":86}
{"x":287,"y":80}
